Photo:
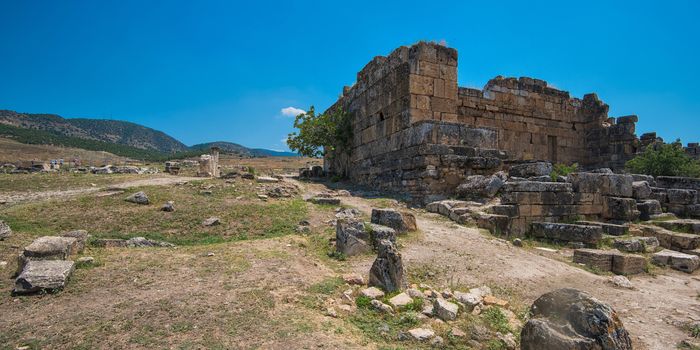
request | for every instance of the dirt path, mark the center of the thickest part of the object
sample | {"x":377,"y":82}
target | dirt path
{"x":9,"y":198}
{"x":470,"y":257}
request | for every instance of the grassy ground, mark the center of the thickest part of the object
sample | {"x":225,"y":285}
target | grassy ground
{"x":61,"y":181}
{"x":13,"y":151}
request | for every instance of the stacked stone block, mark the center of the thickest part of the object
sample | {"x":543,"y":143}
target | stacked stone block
{"x":678,"y":195}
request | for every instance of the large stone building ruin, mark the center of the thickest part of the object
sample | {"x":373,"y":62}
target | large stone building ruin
{"x":416,"y":131}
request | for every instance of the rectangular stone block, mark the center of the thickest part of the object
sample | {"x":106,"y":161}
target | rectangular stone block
{"x":628,"y":264}
{"x":566,"y":232}
{"x":533,"y":186}
{"x":677,"y":260}
{"x":597,"y":259}
{"x":620,"y":208}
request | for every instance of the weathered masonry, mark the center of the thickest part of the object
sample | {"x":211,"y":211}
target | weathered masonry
{"x":417,"y":132}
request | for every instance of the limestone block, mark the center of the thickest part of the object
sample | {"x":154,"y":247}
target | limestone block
{"x":648,"y":208}
{"x":628,"y":264}
{"x":677,"y":260}
{"x":681,"y":196}
{"x":598,"y":259}
{"x":531,"y":169}
{"x":641,"y":190}
{"x":620,"y":208}
{"x":567,"y":232}
{"x":41,"y":275}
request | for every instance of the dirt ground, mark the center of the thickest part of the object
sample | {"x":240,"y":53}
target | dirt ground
{"x":269,"y":293}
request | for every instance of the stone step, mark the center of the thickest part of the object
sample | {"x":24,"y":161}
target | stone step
{"x":588,"y":234}
{"x":608,"y":228}
{"x":671,"y":240}
{"x":682,"y":225}
{"x":677,"y":260}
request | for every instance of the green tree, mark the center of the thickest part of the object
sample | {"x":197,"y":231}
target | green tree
{"x":664,"y":160}
{"x":320,"y":133}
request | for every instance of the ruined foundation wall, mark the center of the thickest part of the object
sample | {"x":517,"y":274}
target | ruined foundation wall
{"x":416,"y":131}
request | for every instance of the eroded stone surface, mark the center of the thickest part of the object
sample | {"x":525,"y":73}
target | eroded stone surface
{"x":48,"y":275}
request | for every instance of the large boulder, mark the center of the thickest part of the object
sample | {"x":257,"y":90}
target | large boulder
{"x":480,"y":186}
{"x":571,"y":319}
{"x":531,"y":169}
{"x":351,"y":237}
{"x":387,"y":271}
{"x":138,"y":198}
{"x":5,"y":230}
{"x":43,"y":275}
{"x":402,"y":222}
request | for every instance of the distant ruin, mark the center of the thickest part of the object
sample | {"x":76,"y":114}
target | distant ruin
{"x":417,"y":132}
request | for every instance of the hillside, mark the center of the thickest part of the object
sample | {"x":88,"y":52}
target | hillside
{"x":110,"y":131}
{"x":234,"y":148}
{"x":13,"y":151}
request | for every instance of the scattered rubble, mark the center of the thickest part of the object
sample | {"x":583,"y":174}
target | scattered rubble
{"x":212,"y":221}
{"x":138,"y":198}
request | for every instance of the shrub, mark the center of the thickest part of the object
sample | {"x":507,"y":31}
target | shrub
{"x":664,"y":160}
{"x":321,"y":133}
{"x":561,"y":169}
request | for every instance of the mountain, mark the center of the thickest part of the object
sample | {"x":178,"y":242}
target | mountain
{"x":110,"y":131}
{"x":118,"y":137}
{"x":234,"y":148}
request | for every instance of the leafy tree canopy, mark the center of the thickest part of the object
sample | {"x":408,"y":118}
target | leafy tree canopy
{"x":664,"y":160}
{"x":320,"y":133}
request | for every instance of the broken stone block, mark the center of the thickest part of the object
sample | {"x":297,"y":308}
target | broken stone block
{"x":597,"y":259}
{"x":606,"y":184}
{"x":628,"y":264}
{"x":421,"y":334}
{"x":636,"y":244}
{"x":402,"y":222}
{"x":5,"y":230}
{"x":670,"y":239}
{"x":387,"y":271}
{"x":681,"y":225}
{"x":587,"y":234}
{"x":480,"y":186}
{"x":677,"y":260}
{"x":496,"y":224}
{"x":641,"y":190}
{"x":48,"y":248}
{"x":382,"y":307}
{"x":648,"y":209}
{"x":608,"y":228}
{"x":617,"y":208}
{"x":470,"y":300}
{"x":372,"y":292}
{"x":678,"y":182}
{"x":43,"y":275}
{"x":324,"y":200}
{"x":571,"y":319}
{"x":380,"y":232}
{"x":169,"y":206}
{"x":266,"y":179}
{"x":138,"y":198}
{"x":351,"y":237}
{"x":400,"y":300}
{"x":531,"y":169}
{"x":444,"y":309}
{"x":681,"y":196}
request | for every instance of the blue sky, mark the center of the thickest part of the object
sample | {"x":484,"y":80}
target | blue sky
{"x":224,"y":70}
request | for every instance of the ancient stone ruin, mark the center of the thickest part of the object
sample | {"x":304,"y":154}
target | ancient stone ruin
{"x":209,"y":164}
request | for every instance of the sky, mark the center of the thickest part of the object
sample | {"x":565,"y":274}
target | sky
{"x":239,"y":71}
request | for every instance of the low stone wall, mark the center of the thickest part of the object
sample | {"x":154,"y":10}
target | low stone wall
{"x":678,"y":195}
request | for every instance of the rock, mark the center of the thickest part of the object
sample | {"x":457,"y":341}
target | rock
{"x":681,"y":196}
{"x":415,"y":293}
{"x":168,"y":206}
{"x":387,"y":271}
{"x":138,"y":198}
{"x":212,"y":221}
{"x":421,"y":334}
{"x":534,"y":186}
{"x":445,"y":310}
{"x":677,"y":260}
{"x":400,"y":300}
{"x":51,"y":248}
{"x":531,"y":169}
{"x":382,"y":307}
{"x":507,"y":339}
{"x":44,"y":275}
{"x":470,"y":300}
{"x":402,"y":222}
{"x":608,"y":228}
{"x":331,"y":312}
{"x":5,"y":230}
{"x":597,"y":259}
{"x":381,"y":232}
{"x":492,"y":300}
{"x":641,"y":190}
{"x":81,"y":237}
{"x":351,"y":237}
{"x":571,"y":319}
{"x":446,"y":293}
{"x":348,"y":213}
{"x":263,"y":197}
{"x":437,"y":342}
{"x":628,"y":264}
{"x":480,"y":186}
{"x":682,"y":225}
{"x":353,"y":278}
{"x":621,"y":282}
{"x":86,"y":260}
{"x":588,"y":234}
{"x":670,"y":239}
{"x":372,"y":292}
{"x":141,"y":242}
{"x":458,"y":333}
{"x":518,"y":242}
{"x":325,"y":201}
{"x":266,"y":179}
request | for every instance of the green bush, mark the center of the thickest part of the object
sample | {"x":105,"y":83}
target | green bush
{"x":320,"y":133}
{"x":664,"y":160}
{"x":561,"y":169}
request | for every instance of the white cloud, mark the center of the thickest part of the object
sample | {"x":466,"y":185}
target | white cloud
{"x":284,"y":140}
{"x":292,"y":111}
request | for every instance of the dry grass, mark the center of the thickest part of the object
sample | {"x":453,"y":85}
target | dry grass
{"x":61,"y":181}
{"x":13,"y":151}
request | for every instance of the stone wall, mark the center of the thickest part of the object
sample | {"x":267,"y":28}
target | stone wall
{"x":417,"y":132}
